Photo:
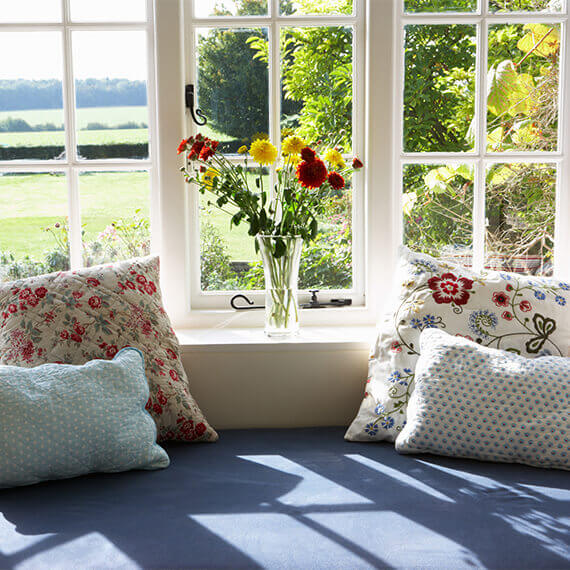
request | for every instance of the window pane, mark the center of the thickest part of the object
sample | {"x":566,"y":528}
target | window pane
{"x":325,"y":7}
{"x":439,"y":88}
{"x":227,"y":256}
{"x":527,"y":5}
{"x":520,"y":211}
{"x":115,"y":220}
{"x":33,"y":218}
{"x":108,"y":10}
{"x":111,"y":94}
{"x":316,"y":78}
{"x":31,"y":101}
{"x":233,"y":84}
{"x":522,"y":104}
{"x":438,"y":206}
{"x":440,"y":5}
{"x":206,"y":8}
{"x":30,"y":11}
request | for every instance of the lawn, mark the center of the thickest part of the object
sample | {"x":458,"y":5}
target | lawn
{"x":104,"y":197}
{"x":111,"y":116}
{"x":29,"y":203}
{"x":57,"y":138}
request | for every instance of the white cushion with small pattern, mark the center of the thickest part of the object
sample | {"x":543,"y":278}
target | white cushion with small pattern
{"x":482,"y":403}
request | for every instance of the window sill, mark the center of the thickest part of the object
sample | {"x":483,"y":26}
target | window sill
{"x":310,"y":338}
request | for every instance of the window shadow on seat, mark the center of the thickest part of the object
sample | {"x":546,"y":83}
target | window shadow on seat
{"x":297,"y":499}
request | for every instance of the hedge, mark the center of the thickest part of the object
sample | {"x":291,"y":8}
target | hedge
{"x":89,"y":151}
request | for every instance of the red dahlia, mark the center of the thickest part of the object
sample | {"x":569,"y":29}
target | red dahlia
{"x":196,"y":149}
{"x":206,"y":153}
{"x":308,"y":154}
{"x":312,"y":174}
{"x":356,"y":163}
{"x":336,"y":180}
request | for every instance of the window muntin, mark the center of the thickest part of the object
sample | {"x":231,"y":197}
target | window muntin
{"x":277,"y":51}
{"x":518,"y":116}
{"x":79,"y":60}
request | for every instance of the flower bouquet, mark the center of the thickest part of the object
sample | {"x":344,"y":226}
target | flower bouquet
{"x":280,"y":218}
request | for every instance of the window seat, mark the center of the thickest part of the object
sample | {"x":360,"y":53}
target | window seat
{"x":299,"y":498}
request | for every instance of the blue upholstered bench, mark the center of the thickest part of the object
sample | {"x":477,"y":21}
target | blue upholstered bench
{"x":299,"y":498}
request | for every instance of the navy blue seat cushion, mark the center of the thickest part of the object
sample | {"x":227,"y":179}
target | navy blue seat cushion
{"x":293,"y":499}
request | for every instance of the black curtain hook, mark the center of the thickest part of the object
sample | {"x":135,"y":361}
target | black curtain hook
{"x":189,"y":97}
{"x":242,"y":308}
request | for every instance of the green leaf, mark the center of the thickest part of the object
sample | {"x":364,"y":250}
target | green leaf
{"x":534,"y":35}
{"x":314,"y":228}
{"x":408,"y":202}
{"x":501,"y":81}
{"x":280,"y":248}
{"x":521,"y":99}
{"x":437,"y":179}
{"x":495,"y":138}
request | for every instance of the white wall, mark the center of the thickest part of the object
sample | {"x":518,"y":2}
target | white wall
{"x":240,"y":388}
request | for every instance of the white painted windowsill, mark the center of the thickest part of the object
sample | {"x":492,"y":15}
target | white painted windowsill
{"x":309,"y":338}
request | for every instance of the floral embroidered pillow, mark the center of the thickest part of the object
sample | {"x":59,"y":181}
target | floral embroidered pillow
{"x":525,"y":315}
{"x":77,"y":316}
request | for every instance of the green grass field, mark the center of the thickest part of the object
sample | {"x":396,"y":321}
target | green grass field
{"x":105,"y":197}
{"x":111,"y":116}
{"x":29,"y":203}
{"x":57,"y":138}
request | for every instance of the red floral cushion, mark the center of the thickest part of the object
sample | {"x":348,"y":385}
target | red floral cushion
{"x":77,"y":316}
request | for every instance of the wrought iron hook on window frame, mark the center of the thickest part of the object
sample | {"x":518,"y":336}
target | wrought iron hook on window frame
{"x":313,"y":304}
{"x":189,"y":98}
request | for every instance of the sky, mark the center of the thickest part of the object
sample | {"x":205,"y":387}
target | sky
{"x":38,"y":55}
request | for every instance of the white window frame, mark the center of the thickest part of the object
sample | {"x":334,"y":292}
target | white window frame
{"x":480,"y":158}
{"x":375,"y":221}
{"x":71,"y":165}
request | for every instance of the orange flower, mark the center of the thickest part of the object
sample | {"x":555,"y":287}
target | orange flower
{"x":182,"y":146}
{"x":356,"y":163}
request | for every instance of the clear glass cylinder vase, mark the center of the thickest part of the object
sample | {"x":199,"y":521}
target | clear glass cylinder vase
{"x":281,"y":256}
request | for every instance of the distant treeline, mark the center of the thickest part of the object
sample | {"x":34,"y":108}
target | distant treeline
{"x":11,"y":125}
{"x":24,"y":94}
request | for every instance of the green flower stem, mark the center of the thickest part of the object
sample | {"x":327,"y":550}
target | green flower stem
{"x":282,"y":313}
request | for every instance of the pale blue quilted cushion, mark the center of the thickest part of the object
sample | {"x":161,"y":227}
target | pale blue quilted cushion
{"x":482,"y":403}
{"x":59,"y":420}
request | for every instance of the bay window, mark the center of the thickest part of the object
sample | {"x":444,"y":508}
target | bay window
{"x":77,"y":134}
{"x":458,"y":108}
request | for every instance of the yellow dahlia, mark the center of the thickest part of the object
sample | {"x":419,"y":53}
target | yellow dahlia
{"x":293,"y":145}
{"x":334,"y":157}
{"x":242,"y":149}
{"x":260,"y":136}
{"x":263,"y":151}
{"x":208,"y":177}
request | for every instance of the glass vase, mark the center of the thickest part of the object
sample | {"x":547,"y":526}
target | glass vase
{"x":281,"y":256}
